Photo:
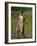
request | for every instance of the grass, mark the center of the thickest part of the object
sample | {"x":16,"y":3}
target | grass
{"x":27,"y":25}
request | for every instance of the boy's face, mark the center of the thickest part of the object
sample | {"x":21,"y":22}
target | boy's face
{"x":20,"y":14}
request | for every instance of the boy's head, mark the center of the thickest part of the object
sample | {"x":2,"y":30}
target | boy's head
{"x":21,"y":12}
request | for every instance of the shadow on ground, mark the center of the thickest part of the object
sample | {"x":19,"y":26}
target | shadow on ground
{"x":14,"y":36}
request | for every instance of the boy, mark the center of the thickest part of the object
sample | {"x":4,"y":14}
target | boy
{"x":20,"y":26}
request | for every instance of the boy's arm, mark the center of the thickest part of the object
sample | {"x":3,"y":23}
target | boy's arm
{"x":23,"y":18}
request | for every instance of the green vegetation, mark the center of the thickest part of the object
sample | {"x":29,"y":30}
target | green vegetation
{"x":28,"y":20}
